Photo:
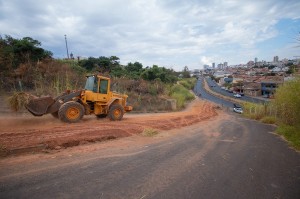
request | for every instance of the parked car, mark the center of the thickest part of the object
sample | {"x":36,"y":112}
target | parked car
{"x":237,"y":95}
{"x":237,"y":108}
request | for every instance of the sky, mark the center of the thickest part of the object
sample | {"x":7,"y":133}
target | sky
{"x":169,"y":33}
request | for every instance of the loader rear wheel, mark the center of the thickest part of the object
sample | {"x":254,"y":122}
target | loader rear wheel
{"x":71,"y":112}
{"x":116,"y":112}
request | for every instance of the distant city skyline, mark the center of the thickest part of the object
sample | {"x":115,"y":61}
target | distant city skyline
{"x":255,"y":60}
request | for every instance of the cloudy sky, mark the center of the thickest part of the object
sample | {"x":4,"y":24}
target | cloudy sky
{"x":170,"y":33}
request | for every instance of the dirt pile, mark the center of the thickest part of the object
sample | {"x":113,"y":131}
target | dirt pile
{"x":28,"y":134}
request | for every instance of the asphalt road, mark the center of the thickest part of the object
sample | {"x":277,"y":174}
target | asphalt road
{"x":201,"y":92}
{"x":215,"y":87}
{"x":227,"y":157}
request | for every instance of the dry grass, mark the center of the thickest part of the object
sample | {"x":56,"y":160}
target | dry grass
{"x":18,"y":100}
{"x":268,"y":119}
{"x":149,"y":132}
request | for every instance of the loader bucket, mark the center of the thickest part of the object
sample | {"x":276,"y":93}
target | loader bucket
{"x":39,"y":106}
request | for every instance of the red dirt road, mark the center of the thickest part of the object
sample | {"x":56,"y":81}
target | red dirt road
{"x":28,"y":134}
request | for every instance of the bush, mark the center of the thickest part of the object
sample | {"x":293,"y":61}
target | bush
{"x":287,"y":102}
{"x":149,"y":132}
{"x":268,"y":120}
{"x":47,"y":77}
{"x":291,"y":133}
{"x":188,"y":83}
{"x":254,"y":111}
{"x":283,"y":110}
{"x":181,"y":94}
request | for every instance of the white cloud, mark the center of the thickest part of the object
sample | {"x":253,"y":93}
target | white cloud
{"x":167,"y":32}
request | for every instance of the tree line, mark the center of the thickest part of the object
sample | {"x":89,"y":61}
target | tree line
{"x":112,"y":66}
{"x":24,"y":61}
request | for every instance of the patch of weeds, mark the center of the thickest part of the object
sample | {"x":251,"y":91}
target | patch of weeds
{"x":268,"y":120}
{"x":3,"y":150}
{"x":291,"y":134}
{"x":149,"y":132}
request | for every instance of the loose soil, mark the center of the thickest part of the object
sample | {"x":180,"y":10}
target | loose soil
{"x":23,"y":134}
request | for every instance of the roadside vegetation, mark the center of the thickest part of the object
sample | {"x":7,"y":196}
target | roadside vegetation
{"x":283,"y":111}
{"x":149,"y":132}
{"x":26,"y":67}
{"x":181,"y":94}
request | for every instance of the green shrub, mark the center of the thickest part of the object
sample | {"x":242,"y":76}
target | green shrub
{"x":268,"y":119}
{"x":181,"y":94}
{"x":188,"y":83}
{"x":180,"y":100}
{"x":287,"y":102}
{"x":291,"y":133}
{"x":254,"y":111}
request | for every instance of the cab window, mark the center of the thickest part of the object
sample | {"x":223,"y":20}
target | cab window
{"x":103,"y":86}
{"x":91,"y":84}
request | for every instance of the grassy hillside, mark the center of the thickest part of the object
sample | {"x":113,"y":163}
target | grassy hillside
{"x":284,"y":111}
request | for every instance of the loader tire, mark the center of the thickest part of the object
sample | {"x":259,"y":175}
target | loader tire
{"x":116,"y":112}
{"x":71,"y":112}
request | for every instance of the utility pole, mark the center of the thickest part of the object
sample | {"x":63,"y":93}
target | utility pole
{"x":67,"y":47}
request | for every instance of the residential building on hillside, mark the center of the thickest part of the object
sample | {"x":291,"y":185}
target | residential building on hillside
{"x":252,"y":89}
{"x":269,"y":84}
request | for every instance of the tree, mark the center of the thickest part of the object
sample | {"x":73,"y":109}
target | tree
{"x":185,"y":72}
{"x":114,"y":61}
{"x":102,"y":64}
{"x":88,"y":64}
{"x":292,"y":69}
{"x":159,"y":74}
{"x":22,"y":50}
{"x":19,"y":59}
{"x":134,"y":70}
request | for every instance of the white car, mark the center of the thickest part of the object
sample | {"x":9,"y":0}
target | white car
{"x":237,"y":95}
{"x":238,"y":110}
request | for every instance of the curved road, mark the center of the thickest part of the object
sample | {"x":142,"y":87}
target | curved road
{"x":200,"y":91}
{"x":225,"y":157}
{"x":215,"y":87}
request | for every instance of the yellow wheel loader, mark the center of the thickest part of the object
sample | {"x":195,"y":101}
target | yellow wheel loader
{"x":71,"y":106}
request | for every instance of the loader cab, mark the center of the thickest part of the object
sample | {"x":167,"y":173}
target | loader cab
{"x":99,"y":86}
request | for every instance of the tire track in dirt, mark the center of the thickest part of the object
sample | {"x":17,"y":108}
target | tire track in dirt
{"x":22,"y":133}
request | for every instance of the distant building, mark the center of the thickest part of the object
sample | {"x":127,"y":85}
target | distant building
{"x":205,"y":66}
{"x":276,"y":59}
{"x":250,"y":63}
{"x":213,"y":65}
{"x":269,"y":84}
{"x":225,"y":64}
{"x":196,"y":73}
{"x":220,"y":66}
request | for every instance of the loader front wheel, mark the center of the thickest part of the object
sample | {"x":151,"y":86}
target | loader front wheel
{"x":71,"y":112}
{"x":116,"y":112}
